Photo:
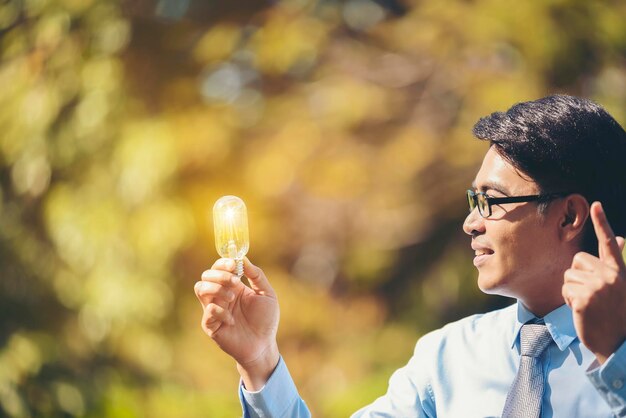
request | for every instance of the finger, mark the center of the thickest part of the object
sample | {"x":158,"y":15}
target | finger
{"x":257,"y":279}
{"x":226,"y":264}
{"x":210,"y":325}
{"x":567,"y":292}
{"x":620,"y":243}
{"x":576,"y":296}
{"x":574,"y":276}
{"x":215,"y":290}
{"x":608,"y":248}
{"x":214,"y":317}
{"x":207,"y":292}
{"x":585,"y":261}
{"x":214,"y":311}
{"x":224,"y":278}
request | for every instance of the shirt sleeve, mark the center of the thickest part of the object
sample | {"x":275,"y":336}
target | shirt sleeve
{"x":610,"y":380}
{"x":409,"y":394}
{"x":278,"y":398}
{"x":401,"y":400}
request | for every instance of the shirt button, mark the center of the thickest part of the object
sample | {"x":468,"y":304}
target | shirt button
{"x":617,"y":384}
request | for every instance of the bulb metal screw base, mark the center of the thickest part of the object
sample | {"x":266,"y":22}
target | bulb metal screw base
{"x":239,"y":267}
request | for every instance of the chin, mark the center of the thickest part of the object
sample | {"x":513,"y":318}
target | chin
{"x":492,"y":284}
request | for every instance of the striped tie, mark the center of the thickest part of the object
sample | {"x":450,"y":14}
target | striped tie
{"x":524,"y":398}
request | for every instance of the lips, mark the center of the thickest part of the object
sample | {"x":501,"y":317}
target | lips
{"x":482,"y":254}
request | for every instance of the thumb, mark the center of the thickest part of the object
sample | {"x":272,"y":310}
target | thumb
{"x":620,"y":243}
{"x":258,"y":280}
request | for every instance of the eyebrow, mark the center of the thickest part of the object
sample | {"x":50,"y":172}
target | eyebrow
{"x":491,"y":185}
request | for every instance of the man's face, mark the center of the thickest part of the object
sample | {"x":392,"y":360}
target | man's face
{"x":517,"y":248}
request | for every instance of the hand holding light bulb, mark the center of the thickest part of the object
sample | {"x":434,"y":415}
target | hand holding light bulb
{"x":242,"y":320}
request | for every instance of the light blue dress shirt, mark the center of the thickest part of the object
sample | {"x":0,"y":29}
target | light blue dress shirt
{"x":465,"y":370}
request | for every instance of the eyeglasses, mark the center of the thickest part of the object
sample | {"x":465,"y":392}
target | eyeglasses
{"x":484,"y":202}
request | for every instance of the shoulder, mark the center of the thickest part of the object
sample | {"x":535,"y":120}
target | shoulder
{"x":448,"y":352}
{"x":490,"y":326}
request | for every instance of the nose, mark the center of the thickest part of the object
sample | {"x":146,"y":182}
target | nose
{"x":474,"y":223}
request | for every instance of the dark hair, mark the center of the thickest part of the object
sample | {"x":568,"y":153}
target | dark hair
{"x":565,"y":144}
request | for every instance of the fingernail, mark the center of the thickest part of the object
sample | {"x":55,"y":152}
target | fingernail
{"x":235,"y":279}
{"x":230,"y":264}
{"x":204,"y":286}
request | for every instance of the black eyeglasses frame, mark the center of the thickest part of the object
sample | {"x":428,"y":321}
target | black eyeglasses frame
{"x":472,"y":200}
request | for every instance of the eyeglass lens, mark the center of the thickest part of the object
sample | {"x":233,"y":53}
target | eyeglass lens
{"x":478,"y":199}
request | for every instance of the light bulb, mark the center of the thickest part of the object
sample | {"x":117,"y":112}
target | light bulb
{"x":230,"y":222}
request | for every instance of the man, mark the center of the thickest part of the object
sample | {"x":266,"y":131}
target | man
{"x":538,"y":224}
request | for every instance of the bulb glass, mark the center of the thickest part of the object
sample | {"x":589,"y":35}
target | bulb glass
{"x":230,"y":222}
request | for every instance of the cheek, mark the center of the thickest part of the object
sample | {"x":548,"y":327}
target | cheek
{"x":527,"y":248}
{"x":516,"y":249}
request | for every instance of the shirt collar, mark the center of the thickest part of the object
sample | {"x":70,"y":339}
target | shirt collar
{"x":560,"y":324}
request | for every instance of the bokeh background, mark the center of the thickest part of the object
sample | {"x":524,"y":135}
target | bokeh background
{"x":345,"y":125}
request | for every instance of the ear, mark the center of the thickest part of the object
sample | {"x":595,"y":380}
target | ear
{"x":573,"y":216}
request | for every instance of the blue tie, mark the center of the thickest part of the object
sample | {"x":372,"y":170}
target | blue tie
{"x":524,"y":398}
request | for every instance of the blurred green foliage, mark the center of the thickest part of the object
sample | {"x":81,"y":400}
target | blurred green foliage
{"x":344,"y":125}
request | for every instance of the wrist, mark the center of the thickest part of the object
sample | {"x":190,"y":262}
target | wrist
{"x":603,"y":356}
{"x":256,"y":373}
